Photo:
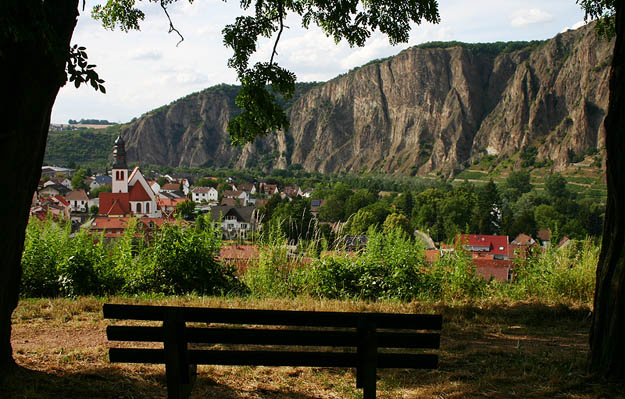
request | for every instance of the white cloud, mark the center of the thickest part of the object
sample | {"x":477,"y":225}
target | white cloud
{"x":144,"y":70}
{"x":575,"y":26}
{"x":529,"y":16}
{"x":142,"y":54}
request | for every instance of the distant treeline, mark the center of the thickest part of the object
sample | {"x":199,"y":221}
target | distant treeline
{"x":492,"y":49}
{"x":88,"y":148}
{"x":90,"y":122}
{"x":495,"y":48}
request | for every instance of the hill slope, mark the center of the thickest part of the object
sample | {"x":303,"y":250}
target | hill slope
{"x":432,"y":108}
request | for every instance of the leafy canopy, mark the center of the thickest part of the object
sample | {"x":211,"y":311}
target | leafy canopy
{"x":604,"y":12}
{"x":350,"y":20}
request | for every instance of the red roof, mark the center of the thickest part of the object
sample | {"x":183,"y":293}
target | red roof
{"x":496,"y":269}
{"x":115,"y":226}
{"x":77,"y":195}
{"x":114,"y":203}
{"x":171,"y":187}
{"x":138,"y":193}
{"x":431,"y":255}
{"x":169,"y":202}
{"x":61,"y":200}
{"x":487,"y":244}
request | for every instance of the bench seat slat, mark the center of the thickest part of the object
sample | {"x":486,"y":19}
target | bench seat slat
{"x":273,"y":317}
{"x":274,"y":358}
{"x":275,"y":337}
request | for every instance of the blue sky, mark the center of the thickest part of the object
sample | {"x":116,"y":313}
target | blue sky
{"x":145,"y":70}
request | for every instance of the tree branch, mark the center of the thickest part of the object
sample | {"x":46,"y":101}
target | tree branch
{"x":172,"y":28}
{"x":275,"y":45}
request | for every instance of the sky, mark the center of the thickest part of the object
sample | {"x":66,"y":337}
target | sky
{"x":146,"y":69}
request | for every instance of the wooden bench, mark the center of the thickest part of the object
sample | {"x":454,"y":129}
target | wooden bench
{"x":341,"y":339}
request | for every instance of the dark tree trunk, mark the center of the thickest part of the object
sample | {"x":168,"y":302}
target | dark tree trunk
{"x":607,"y":343}
{"x":34,"y":42}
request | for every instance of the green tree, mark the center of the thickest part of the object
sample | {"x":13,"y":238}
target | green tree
{"x":487,"y":210}
{"x":102,"y":189}
{"x":547,"y":217}
{"x":185,"y":209}
{"x":555,"y":185}
{"x":404,"y":203}
{"x":361,"y":221}
{"x":425,"y":213}
{"x":396,"y":221}
{"x":78,"y":180}
{"x":358,"y":200}
{"x":294,"y":218}
{"x":517,"y":183}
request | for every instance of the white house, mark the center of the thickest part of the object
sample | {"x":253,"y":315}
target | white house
{"x":78,"y":200}
{"x":208,"y":194}
{"x":236,"y":222}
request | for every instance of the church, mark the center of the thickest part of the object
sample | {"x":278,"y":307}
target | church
{"x":130,"y":195}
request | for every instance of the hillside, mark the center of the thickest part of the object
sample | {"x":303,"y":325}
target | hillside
{"x":433,"y":109}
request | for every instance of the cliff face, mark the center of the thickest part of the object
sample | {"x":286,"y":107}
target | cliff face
{"x":424,"y":110}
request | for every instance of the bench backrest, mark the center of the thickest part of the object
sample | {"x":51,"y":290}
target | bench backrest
{"x":365,"y":332}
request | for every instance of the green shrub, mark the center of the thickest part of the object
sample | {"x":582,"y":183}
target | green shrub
{"x":182,"y":260}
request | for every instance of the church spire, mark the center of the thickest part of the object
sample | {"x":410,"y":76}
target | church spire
{"x":119,"y":154}
{"x":120,"y":168}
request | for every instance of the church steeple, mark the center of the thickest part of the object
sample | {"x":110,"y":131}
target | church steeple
{"x":119,"y":154}
{"x":120,"y":168}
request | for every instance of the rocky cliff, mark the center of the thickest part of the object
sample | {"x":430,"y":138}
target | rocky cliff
{"x":423,"y":110}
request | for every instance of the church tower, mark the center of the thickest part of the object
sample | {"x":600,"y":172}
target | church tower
{"x":119,"y":171}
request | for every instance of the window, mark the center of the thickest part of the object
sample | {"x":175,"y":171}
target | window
{"x":139,"y":208}
{"x":244,"y":225}
{"x":147,"y":207}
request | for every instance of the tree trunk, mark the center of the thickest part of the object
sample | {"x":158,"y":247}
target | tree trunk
{"x":34,"y":43}
{"x":607,"y":343}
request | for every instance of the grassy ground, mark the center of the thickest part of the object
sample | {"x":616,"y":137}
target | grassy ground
{"x":488,"y":350}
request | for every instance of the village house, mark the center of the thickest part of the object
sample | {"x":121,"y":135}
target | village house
{"x":484,"y":246}
{"x":168,"y":205}
{"x":292,"y":191}
{"x":544,"y":236}
{"x":249,"y":188}
{"x":521,"y":245}
{"x":206,"y":194}
{"x":59,"y":180}
{"x":235,"y":222}
{"x":57,"y":206}
{"x":489,"y":255}
{"x":269,"y":189}
{"x":154,"y":186}
{"x":79,"y":201}
{"x":54,"y":189}
{"x":52,"y":171}
{"x":314,"y":207}
{"x":114,"y":227}
{"x":170,"y":188}
{"x":241,"y":196}
{"x":100,"y":181}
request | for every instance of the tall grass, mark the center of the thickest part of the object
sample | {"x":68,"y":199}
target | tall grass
{"x":178,"y":260}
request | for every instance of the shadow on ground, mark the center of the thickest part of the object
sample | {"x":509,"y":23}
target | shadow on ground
{"x":110,"y":383}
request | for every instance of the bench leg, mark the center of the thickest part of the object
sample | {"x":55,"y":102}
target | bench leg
{"x":366,"y":374}
{"x":179,"y":372}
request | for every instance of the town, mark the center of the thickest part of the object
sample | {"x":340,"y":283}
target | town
{"x":240,"y":210}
